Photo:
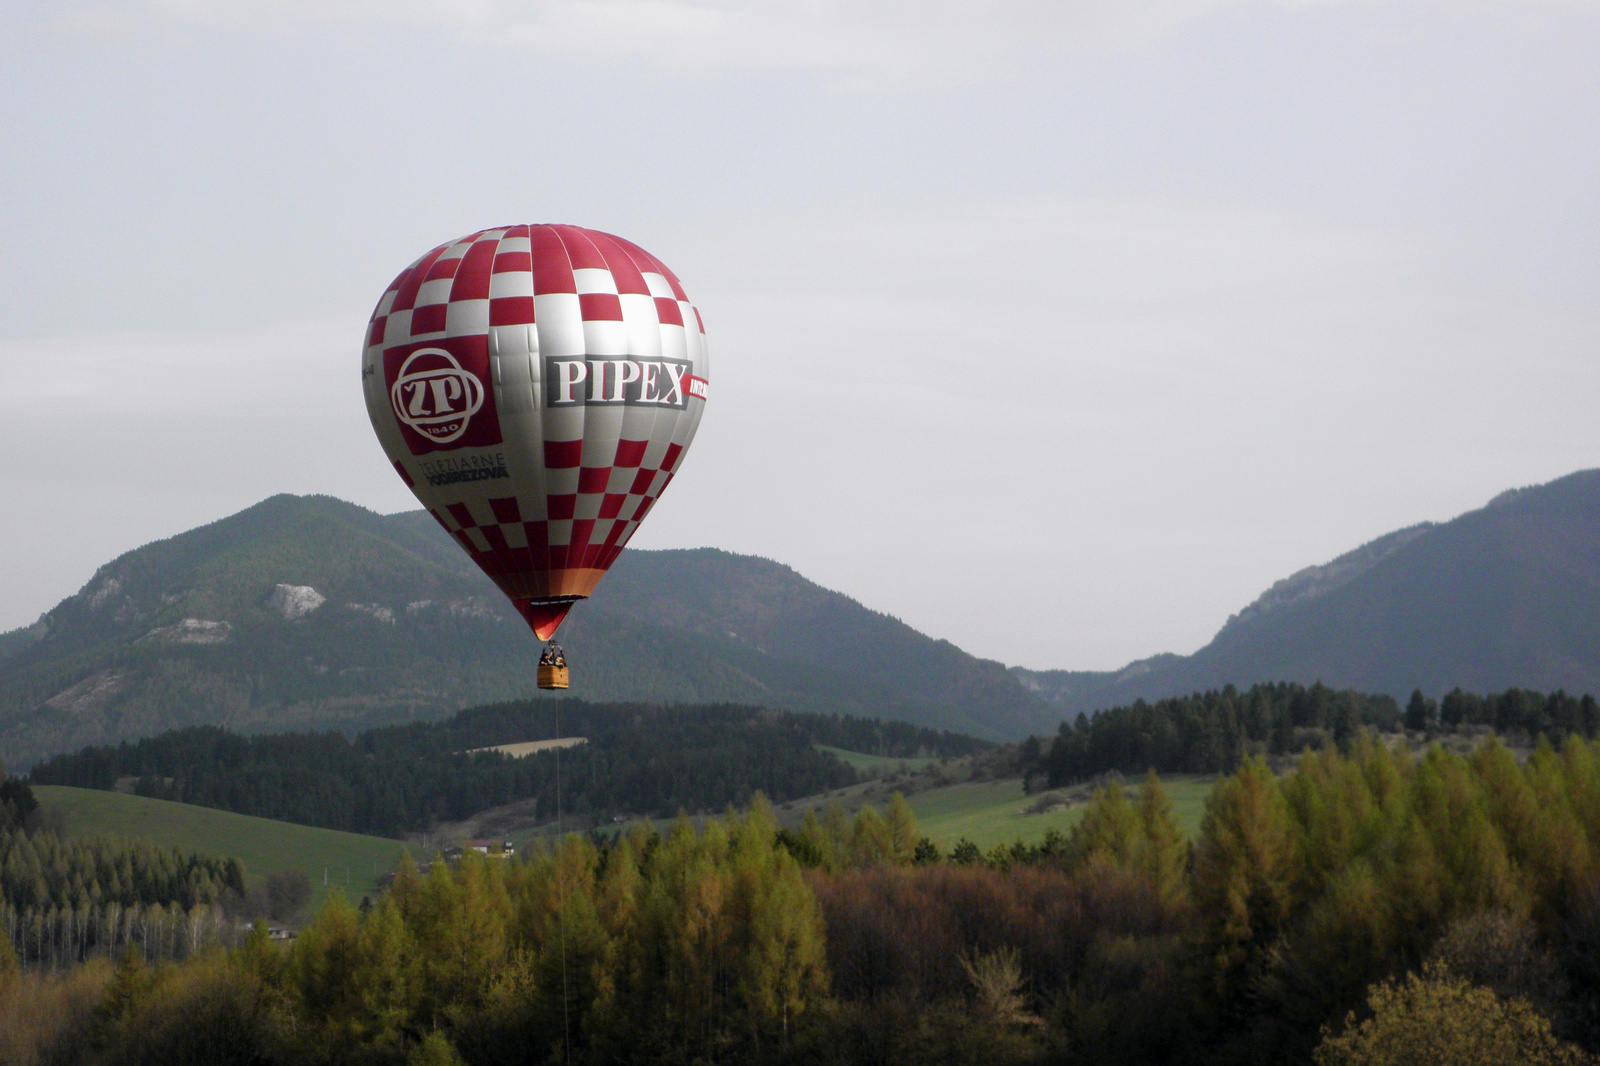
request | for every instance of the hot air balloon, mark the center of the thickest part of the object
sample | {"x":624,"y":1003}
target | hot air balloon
{"x":536,"y":387}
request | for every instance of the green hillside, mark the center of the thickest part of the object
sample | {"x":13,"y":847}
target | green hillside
{"x":306,"y":613}
{"x":770,"y":608}
{"x":999,"y":812}
{"x":331,"y":859}
{"x":876,"y":763}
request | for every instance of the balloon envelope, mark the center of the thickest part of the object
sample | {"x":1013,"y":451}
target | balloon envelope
{"x":536,"y":388}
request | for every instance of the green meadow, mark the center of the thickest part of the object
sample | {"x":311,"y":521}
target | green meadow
{"x":985,"y":812}
{"x":997,"y":812}
{"x":874,"y":764}
{"x":332,"y":859}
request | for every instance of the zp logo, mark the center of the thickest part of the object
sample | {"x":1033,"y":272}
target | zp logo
{"x":434,"y":396}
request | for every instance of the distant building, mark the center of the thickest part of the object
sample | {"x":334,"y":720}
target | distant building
{"x":494,"y":849}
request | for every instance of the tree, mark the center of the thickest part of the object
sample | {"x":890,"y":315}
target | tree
{"x":1243,"y":867}
{"x":1439,"y":1018}
{"x":287,"y":892}
{"x":1162,"y":851}
{"x":1420,"y":712}
{"x":903,"y":835}
{"x":1108,"y":829}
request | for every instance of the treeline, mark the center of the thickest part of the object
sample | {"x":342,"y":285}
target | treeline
{"x":392,"y":781}
{"x":1209,"y":732}
{"x":63,"y":901}
{"x":41,"y":869}
{"x":53,"y":938}
{"x":1452,"y":903}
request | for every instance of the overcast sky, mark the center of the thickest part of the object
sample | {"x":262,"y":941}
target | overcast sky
{"x":1057,"y":328}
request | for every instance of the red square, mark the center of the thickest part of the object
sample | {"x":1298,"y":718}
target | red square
{"x":552,"y":270}
{"x":562,"y":506}
{"x":562,"y":454}
{"x":594,"y":478}
{"x":600,"y":307}
{"x":429,"y":319}
{"x":406,"y":296}
{"x":472,"y":280}
{"x":622,"y":267}
{"x":630,"y":452}
{"x":668,"y":311}
{"x":580,"y":249}
{"x":512,"y":262}
{"x":511,"y":311}
{"x":506,"y":509}
{"x":443,"y":268}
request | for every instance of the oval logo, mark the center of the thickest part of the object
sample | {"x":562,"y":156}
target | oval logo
{"x":434,"y":396}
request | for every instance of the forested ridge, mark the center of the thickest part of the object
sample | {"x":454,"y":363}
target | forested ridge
{"x":1375,"y":905}
{"x":1209,"y":732}
{"x":639,"y":758}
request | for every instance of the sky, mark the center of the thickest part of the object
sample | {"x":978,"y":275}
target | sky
{"x":1059,"y":329}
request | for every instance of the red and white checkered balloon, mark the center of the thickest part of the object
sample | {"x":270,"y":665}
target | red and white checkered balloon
{"x":536,"y":387}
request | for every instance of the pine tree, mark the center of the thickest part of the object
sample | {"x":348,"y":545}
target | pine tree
{"x":1109,"y":829}
{"x":387,"y":978}
{"x":903,"y":832}
{"x":1243,"y":867}
{"x":1162,"y":852}
{"x":871,"y":842}
{"x":325,"y":972}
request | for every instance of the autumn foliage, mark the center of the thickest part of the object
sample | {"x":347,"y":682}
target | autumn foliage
{"x":1375,"y":905}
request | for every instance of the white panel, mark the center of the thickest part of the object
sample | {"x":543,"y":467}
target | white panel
{"x":594,"y":279}
{"x":510,"y":283}
{"x":558,"y":318}
{"x":466,"y":318}
{"x":436,"y":291}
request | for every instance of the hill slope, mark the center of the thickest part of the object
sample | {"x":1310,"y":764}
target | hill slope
{"x":1507,"y":596}
{"x":309,"y":612}
{"x":328,"y":857}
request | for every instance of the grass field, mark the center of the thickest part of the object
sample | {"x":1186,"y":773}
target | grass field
{"x":530,"y":747}
{"x":995,"y":812}
{"x":876,"y":763}
{"x":985,"y":812}
{"x":348,"y":861}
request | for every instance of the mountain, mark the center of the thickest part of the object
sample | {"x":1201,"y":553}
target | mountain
{"x":1507,"y":596}
{"x":312,"y":613}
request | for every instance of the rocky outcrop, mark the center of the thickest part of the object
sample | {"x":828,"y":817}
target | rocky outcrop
{"x":1316,"y":581}
{"x":92,"y":694}
{"x":193,"y":631}
{"x":471,"y":607}
{"x":374,"y":610}
{"x":294,"y":601}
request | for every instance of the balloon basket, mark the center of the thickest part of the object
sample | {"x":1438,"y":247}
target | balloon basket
{"x":552,"y":676}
